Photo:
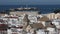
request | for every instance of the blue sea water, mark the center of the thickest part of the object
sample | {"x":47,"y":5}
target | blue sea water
{"x":43,"y":8}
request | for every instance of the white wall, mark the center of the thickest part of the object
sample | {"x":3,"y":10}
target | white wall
{"x":40,"y":32}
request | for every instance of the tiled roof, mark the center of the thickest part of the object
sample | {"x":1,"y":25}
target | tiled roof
{"x":3,"y":29}
{"x":3,"y":26}
{"x":15,"y":33}
{"x":11,"y":17}
{"x":44,"y":18}
{"x":38,"y":26}
{"x":1,"y":20}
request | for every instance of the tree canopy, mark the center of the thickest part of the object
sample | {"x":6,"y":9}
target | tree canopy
{"x":57,"y":11}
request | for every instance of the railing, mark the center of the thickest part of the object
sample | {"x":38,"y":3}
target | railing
{"x":3,"y":32}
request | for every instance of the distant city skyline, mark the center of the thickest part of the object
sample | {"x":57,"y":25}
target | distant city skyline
{"x":29,"y":2}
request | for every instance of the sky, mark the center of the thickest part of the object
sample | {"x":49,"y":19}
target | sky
{"x":29,"y":2}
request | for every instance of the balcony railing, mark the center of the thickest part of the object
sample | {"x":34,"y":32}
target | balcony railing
{"x":3,"y":32}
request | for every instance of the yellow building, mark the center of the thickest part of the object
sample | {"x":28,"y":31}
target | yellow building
{"x":53,"y":16}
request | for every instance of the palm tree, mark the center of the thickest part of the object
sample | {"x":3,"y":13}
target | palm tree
{"x":57,"y":11}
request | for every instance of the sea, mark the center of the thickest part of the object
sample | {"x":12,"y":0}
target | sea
{"x":43,"y":9}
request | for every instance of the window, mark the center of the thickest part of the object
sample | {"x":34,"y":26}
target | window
{"x":14,"y":30}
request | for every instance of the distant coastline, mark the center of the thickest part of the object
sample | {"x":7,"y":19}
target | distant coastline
{"x":43,"y":8}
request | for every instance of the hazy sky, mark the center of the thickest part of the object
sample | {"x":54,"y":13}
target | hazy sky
{"x":30,"y":2}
